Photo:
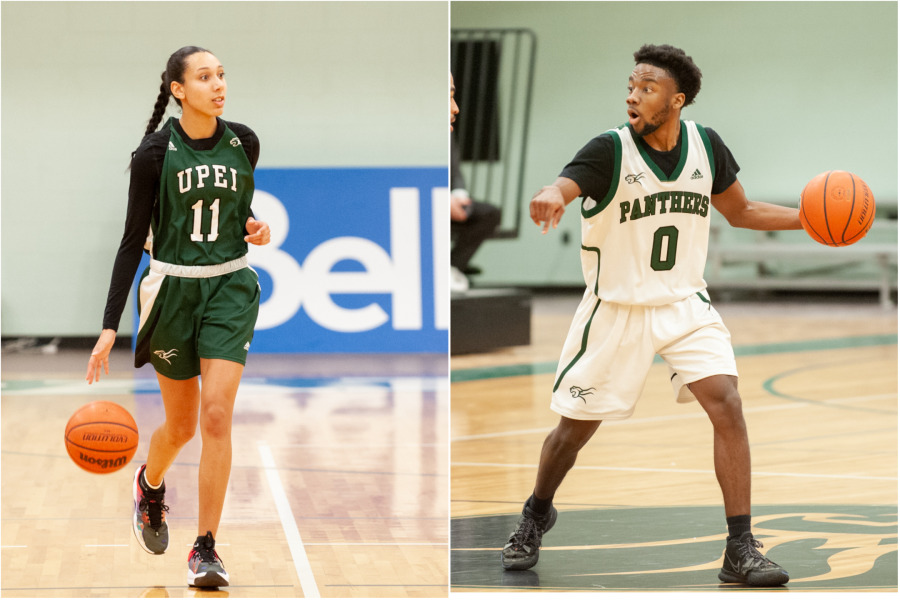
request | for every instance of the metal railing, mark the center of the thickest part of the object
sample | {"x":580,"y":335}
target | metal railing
{"x":493,"y":70}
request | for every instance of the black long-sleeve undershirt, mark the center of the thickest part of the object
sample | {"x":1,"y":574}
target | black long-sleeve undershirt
{"x":143,"y":193}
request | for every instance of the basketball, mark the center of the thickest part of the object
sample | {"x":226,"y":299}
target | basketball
{"x":837,"y":208}
{"x":101,"y":437}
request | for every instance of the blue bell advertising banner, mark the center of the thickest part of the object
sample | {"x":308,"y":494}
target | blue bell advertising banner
{"x":358,"y":261}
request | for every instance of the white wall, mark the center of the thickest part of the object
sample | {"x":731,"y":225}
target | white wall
{"x":321,"y":83}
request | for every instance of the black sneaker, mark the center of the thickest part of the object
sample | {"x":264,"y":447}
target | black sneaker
{"x":205,"y":568}
{"x":524,"y":544}
{"x":149,"y":523}
{"x":745,"y":564}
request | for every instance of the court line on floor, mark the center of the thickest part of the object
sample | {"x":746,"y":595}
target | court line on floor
{"x":249,"y":386}
{"x":679,"y":417}
{"x":444,"y":544}
{"x":359,"y":446}
{"x":549,"y":367}
{"x":658,"y":470}
{"x":387,"y":585}
{"x":140,"y":461}
{"x":288,"y":524}
{"x":174,"y":588}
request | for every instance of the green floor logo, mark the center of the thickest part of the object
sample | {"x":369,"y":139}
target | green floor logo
{"x":823,"y":547}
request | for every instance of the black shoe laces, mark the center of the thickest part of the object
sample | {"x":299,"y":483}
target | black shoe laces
{"x":528,"y":533}
{"x":206,"y":548}
{"x":153,"y":504}
{"x":748,"y":551}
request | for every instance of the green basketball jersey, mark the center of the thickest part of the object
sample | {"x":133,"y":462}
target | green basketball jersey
{"x":204,"y":202}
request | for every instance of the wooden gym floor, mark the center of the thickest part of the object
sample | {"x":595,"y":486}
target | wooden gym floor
{"x":338,"y":486}
{"x":641,"y":509}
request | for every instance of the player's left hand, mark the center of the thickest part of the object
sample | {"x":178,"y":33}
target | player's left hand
{"x":258,"y":232}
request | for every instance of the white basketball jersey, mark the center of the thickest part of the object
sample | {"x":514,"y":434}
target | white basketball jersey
{"x":645,"y":243}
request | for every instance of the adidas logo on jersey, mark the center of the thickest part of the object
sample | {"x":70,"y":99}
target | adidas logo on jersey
{"x":697,"y":174}
{"x":247,"y":346}
{"x":172,"y":147}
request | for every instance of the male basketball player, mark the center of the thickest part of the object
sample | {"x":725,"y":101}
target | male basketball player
{"x":647,"y":190}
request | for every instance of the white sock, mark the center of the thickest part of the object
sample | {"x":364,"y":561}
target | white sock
{"x":147,"y":483}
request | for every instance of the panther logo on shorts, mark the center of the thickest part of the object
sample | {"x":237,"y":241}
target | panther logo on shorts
{"x":167,"y":354}
{"x":577,"y":392}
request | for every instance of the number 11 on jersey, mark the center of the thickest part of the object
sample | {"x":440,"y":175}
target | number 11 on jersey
{"x":196,"y":234}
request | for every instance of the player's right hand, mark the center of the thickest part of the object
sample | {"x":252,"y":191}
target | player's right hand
{"x":100,"y":355}
{"x":458,"y":205}
{"x":547,"y":207}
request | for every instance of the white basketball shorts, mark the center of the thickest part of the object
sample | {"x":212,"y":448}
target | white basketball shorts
{"x":610,"y":348}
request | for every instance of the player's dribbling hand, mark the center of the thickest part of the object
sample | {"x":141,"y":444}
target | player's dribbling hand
{"x":547,"y":207}
{"x":258,"y":232}
{"x":100,"y":356}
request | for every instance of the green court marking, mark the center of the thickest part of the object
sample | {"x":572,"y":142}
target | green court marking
{"x":545,"y":368}
{"x":679,"y":548}
{"x":769,"y":387}
{"x":541,"y":368}
{"x":15,"y":385}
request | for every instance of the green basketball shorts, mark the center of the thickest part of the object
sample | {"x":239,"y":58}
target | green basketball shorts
{"x":184,"y":319}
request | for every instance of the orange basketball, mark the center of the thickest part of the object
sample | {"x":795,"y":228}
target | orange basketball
{"x":101,"y":437}
{"x":837,"y":208}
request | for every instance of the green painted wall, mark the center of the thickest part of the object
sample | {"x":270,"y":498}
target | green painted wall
{"x":322,"y":84}
{"x":794,"y":89}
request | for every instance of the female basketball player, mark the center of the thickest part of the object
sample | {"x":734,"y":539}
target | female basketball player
{"x":191,"y":187}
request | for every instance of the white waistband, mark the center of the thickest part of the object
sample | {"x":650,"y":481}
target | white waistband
{"x":198,"y":271}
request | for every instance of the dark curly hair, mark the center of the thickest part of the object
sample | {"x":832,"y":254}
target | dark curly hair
{"x":679,"y":65}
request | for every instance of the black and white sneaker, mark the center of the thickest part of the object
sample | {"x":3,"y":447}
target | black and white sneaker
{"x":523,"y":547}
{"x":149,"y":522}
{"x":745,"y":564}
{"x":205,"y":568}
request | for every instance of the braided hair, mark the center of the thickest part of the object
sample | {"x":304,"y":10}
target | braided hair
{"x":174,"y":72}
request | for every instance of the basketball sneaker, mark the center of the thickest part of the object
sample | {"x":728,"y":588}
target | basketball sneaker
{"x":149,"y":523}
{"x":205,"y":568}
{"x":745,"y":564}
{"x":524,"y":544}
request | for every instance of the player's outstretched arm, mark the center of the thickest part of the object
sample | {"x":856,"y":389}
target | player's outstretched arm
{"x":548,"y":205}
{"x":100,"y":355}
{"x":762,"y":216}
